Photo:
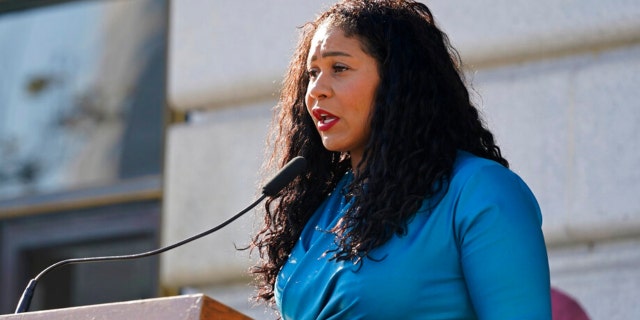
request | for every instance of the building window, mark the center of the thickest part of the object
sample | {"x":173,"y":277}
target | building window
{"x":82,"y":116}
{"x":82,"y":94}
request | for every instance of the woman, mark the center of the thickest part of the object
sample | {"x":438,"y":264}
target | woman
{"x":408,"y":210}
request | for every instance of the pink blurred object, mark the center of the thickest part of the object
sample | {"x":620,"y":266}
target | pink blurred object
{"x":565,"y":307}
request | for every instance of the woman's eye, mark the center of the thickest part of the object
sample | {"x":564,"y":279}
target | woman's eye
{"x":312,"y":73}
{"x":339,"y":68}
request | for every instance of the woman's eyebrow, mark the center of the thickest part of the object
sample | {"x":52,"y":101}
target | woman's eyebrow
{"x":331,"y":54}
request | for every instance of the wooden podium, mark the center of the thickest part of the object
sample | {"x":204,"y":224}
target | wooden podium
{"x":185,"y":307}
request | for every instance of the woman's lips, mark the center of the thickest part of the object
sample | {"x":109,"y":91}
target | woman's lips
{"x":325,"y":120}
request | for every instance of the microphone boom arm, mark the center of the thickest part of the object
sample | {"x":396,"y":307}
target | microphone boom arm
{"x":27,"y":295}
{"x":271,"y":188}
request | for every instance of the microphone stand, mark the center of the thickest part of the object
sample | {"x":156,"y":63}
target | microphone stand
{"x":279,"y":181}
{"x":27,"y":295}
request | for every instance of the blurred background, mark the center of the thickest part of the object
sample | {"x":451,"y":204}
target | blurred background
{"x":126,"y":125}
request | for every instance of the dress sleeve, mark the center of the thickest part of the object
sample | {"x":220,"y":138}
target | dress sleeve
{"x":502,"y":249}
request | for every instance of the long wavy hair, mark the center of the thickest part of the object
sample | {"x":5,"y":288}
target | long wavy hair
{"x":422,"y":116}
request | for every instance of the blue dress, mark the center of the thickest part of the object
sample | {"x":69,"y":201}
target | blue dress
{"x":480,"y":254}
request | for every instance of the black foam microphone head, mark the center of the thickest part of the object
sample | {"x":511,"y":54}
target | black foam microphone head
{"x":291,"y":170}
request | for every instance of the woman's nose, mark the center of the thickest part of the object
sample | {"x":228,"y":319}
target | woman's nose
{"x":319,"y":88}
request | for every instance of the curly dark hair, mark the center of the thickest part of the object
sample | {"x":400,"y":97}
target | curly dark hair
{"x":422,"y":116}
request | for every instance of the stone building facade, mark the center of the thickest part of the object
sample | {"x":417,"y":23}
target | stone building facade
{"x":557,"y":81}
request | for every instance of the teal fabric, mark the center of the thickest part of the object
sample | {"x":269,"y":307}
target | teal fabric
{"x":479,"y":255}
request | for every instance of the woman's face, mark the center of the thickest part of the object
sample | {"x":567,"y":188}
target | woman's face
{"x":342,"y":83}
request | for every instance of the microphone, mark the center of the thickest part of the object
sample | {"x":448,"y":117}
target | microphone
{"x":291,"y":170}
